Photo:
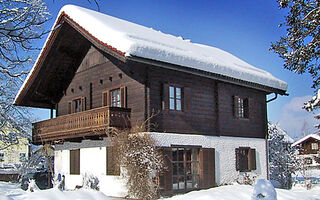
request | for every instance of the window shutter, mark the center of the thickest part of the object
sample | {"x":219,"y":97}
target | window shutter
{"x":235,"y":106}
{"x":166,"y":177}
{"x":207,"y":168}
{"x":165,"y":96}
{"x":69,"y":107}
{"x":237,"y":159}
{"x":83,"y":104}
{"x":246,"y":107}
{"x":123,"y":96}
{"x":112,"y":167}
{"x":186,"y":99}
{"x":75,"y":161}
{"x":252,"y":159}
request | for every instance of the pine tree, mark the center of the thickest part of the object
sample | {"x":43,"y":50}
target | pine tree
{"x":282,"y":160}
{"x":300,"y":47}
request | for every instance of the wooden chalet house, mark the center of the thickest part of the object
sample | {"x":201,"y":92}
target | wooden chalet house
{"x":309,"y":150}
{"x":97,"y":71}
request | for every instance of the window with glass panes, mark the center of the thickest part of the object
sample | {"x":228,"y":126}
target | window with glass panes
{"x":185,"y":168}
{"x":241,"y":107}
{"x":77,"y":105}
{"x":115,"y":98}
{"x":175,"y":98}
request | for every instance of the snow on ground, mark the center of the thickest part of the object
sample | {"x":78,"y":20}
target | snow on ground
{"x":11,"y":191}
{"x":244,"y":192}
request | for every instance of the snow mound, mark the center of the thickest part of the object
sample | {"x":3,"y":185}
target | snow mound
{"x":264,"y":190}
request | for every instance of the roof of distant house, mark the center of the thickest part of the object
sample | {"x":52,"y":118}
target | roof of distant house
{"x":133,"y":40}
{"x":315,"y":136}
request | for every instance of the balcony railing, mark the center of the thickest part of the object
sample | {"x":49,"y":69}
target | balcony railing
{"x":79,"y":125}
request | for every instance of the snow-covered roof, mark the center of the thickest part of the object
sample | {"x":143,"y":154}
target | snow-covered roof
{"x":315,"y":136}
{"x":135,"y":40}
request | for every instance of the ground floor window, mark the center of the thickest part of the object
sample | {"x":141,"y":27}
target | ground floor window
{"x":185,"y":168}
{"x":245,"y":159}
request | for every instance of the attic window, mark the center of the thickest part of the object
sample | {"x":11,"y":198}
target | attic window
{"x":120,"y":76}
{"x":314,"y":146}
{"x":101,"y":81}
{"x":110,"y":78}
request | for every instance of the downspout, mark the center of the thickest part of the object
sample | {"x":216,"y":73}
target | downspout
{"x":266,"y":130}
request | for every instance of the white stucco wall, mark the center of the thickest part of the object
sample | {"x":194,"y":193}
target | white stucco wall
{"x":93,"y":159}
{"x":225,"y":157}
{"x":92,"y":162}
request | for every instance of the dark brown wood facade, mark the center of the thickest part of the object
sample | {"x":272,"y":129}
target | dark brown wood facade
{"x":305,"y":147}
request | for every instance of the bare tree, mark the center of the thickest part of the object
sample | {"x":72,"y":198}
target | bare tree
{"x":21,"y":23}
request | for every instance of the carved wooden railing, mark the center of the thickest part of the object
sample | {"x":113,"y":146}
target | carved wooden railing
{"x":78,"y":125}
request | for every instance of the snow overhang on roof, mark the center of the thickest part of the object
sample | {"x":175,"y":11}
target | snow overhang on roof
{"x":132,"y":40}
{"x":314,"y":136}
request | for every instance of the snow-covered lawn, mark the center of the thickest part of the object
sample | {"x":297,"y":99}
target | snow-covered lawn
{"x":10,"y":191}
{"x":244,"y":192}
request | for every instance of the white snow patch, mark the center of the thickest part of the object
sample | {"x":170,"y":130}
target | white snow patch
{"x":264,"y":190}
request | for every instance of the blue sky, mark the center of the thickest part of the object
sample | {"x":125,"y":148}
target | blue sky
{"x":244,"y":28}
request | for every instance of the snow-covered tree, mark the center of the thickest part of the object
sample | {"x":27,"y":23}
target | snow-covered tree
{"x":21,"y":24}
{"x":282,"y":160}
{"x":300,"y":47}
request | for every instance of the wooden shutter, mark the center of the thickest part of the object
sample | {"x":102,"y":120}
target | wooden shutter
{"x":69,"y":107}
{"x":237,"y":159}
{"x":123,"y":96}
{"x":235,"y":106}
{"x":246,"y":107}
{"x":252,"y":159}
{"x":166,"y":176}
{"x":207,"y":168}
{"x":186,"y":99}
{"x":112,"y":167}
{"x":75,"y":161}
{"x":165,"y":96}
{"x":83,"y":103}
{"x":106,"y":98}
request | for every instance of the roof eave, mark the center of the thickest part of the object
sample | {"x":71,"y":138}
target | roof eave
{"x":211,"y":75}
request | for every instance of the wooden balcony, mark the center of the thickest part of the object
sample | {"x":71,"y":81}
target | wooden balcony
{"x":91,"y":123}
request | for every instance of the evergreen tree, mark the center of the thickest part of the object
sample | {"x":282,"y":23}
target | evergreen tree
{"x":282,"y":160}
{"x":300,"y":47}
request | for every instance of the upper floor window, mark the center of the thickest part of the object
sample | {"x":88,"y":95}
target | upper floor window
{"x":175,"y":98}
{"x":314,"y":146}
{"x":1,"y":156}
{"x":115,"y":98}
{"x":245,"y":159}
{"x":77,"y":105}
{"x":241,"y":107}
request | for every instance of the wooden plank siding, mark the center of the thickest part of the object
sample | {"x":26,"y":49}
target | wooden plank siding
{"x":99,"y":73}
{"x":207,"y":104}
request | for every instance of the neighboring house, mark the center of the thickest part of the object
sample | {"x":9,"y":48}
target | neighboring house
{"x":98,"y":71}
{"x":13,"y":155}
{"x":309,"y":149}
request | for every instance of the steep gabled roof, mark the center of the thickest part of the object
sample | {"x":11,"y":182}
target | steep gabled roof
{"x":131,"y":40}
{"x":314,"y":136}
